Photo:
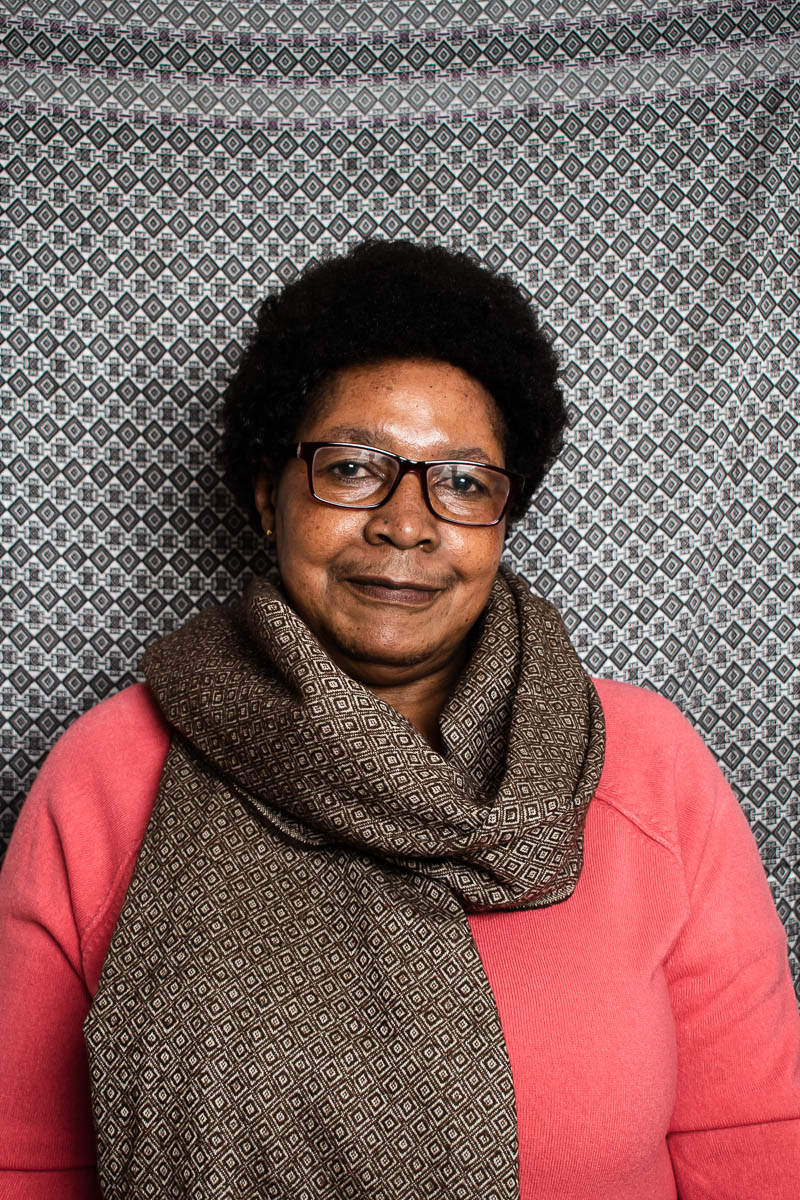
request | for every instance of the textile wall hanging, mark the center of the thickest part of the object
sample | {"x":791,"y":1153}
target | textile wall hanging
{"x":633,"y":164}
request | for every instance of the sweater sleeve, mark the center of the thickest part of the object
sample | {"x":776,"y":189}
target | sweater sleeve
{"x":63,"y":880}
{"x":735,"y":1131}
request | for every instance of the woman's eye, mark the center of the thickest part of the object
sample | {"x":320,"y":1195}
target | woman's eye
{"x":349,"y":470}
{"x":463,"y":484}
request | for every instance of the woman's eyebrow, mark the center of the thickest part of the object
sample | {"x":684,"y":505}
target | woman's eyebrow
{"x":354,"y":433}
{"x":371,"y":437}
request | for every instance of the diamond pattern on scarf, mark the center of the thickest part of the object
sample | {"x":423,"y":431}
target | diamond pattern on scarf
{"x":266,"y":1024}
{"x":254,"y":692}
{"x":292,"y":1004}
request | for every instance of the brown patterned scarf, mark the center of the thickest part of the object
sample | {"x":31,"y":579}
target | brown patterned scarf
{"x":292,"y":1005}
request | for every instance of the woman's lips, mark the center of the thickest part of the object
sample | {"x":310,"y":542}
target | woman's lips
{"x":393,"y":591}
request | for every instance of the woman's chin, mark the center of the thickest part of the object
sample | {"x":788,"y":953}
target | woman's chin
{"x":377,"y":656}
{"x":380,"y":661}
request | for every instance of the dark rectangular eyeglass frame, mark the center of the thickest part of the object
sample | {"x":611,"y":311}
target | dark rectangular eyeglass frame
{"x":409,"y":466}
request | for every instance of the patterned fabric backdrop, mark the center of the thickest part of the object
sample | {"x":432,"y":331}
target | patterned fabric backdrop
{"x":634,"y":164}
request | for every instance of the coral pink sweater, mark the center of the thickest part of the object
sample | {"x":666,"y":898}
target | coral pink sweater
{"x":650,"y":1019}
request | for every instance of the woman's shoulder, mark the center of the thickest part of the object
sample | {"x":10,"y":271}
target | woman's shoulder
{"x":85,"y":816}
{"x":642,"y":721}
{"x":658,"y":773}
{"x":104,"y":769}
{"x":107,"y":758}
{"x":113,"y":727}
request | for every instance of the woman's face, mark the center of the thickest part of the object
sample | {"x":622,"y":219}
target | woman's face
{"x":344,"y":570}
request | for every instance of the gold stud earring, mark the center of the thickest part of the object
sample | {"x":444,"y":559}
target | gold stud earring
{"x":268,"y":532}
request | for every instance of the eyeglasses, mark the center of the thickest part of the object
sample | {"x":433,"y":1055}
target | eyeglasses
{"x":350,"y":476}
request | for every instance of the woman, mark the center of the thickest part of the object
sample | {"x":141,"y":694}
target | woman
{"x":369,"y":891}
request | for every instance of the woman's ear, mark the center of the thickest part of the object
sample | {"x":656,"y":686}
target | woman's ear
{"x":264,"y":498}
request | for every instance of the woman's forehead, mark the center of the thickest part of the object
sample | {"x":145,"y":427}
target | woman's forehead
{"x":434,"y":405}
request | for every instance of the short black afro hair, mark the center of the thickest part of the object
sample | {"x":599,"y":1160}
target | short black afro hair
{"x":393,"y":299}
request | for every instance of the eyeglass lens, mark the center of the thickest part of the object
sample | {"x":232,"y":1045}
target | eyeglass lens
{"x":361,"y":477}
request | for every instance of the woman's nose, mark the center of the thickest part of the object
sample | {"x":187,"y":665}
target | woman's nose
{"x":405,"y":519}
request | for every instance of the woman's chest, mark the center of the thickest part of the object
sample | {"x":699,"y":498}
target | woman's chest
{"x":586,"y":1014}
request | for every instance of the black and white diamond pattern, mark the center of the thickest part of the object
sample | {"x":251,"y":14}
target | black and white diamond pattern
{"x":634,"y":165}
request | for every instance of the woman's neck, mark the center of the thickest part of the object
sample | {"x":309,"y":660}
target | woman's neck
{"x":422,"y":700}
{"x":421,"y":703}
